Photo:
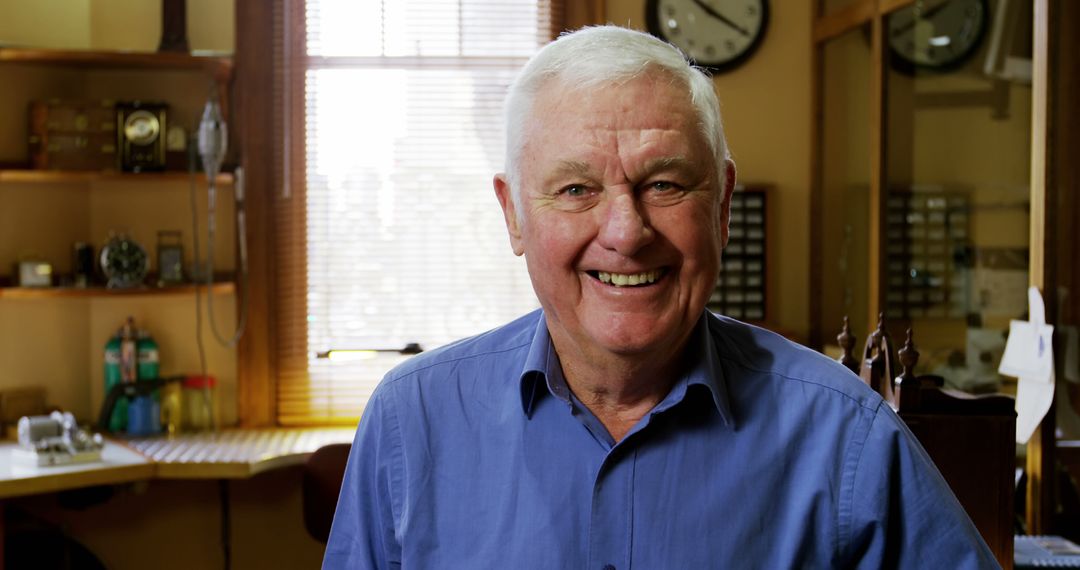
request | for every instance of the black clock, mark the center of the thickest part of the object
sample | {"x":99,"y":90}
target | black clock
{"x":715,"y":34}
{"x":124,"y":262}
{"x":936,"y":35}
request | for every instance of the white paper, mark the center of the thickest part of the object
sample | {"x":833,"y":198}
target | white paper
{"x":1029,"y":355}
{"x":1033,"y":400}
{"x":1028,"y":352}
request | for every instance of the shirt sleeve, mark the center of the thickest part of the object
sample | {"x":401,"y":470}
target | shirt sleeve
{"x":363,"y":535}
{"x":903,"y":514}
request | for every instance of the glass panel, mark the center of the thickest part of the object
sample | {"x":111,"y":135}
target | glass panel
{"x":845,"y":184}
{"x":957,"y":170}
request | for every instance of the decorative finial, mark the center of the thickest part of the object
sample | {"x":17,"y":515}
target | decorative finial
{"x":847,"y":346}
{"x":845,"y":338}
{"x":909,"y":356}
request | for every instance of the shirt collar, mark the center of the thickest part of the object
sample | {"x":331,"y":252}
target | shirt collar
{"x":542,"y":370}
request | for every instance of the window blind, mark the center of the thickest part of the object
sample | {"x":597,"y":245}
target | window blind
{"x":395,"y":226}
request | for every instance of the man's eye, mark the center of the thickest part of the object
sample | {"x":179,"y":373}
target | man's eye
{"x":575,"y":191}
{"x":661,"y":186}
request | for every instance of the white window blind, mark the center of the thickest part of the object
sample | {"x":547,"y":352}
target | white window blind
{"x":404,"y":239}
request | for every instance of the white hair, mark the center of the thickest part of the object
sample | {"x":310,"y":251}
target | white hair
{"x":600,"y":56}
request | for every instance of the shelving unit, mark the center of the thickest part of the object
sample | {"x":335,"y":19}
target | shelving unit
{"x":43,"y":212}
{"x":216,"y":66}
{"x":28,"y":176}
{"x":740,"y":290}
{"x":222,"y":288}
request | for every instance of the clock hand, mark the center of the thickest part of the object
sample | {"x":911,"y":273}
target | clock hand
{"x":925,"y":15}
{"x":710,"y":11}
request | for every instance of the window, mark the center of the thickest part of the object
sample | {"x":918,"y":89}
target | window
{"x":400,"y":239}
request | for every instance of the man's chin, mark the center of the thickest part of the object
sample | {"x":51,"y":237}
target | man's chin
{"x":647,"y":339}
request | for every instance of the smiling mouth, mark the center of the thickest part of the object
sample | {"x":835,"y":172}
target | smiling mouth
{"x":628,"y":279}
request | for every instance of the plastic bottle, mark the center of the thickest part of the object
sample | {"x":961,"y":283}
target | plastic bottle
{"x":148,"y":357}
{"x":198,"y":412}
{"x":120,"y":366}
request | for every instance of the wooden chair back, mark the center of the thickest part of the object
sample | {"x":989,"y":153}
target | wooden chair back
{"x":969,"y":438}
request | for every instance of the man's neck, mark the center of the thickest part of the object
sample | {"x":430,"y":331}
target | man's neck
{"x":618,"y":390}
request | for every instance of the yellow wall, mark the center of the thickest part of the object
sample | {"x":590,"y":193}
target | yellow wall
{"x":52,"y":23}
{"x":766,"y":109}
{"x":110,"y":24}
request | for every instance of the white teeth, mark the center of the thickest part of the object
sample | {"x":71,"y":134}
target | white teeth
{"x":624,"y":280}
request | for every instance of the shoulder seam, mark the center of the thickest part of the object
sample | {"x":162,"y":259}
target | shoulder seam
{"x":872,"y":405}
{"x":742,"y":362}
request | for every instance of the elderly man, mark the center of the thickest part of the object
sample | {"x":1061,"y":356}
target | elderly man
{"x":622,"y":425}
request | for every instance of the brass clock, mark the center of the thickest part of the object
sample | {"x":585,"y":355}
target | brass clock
{"x":717,"y":35}
{"x":141,"y":128}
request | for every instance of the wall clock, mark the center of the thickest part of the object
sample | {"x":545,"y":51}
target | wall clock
{"x":715,"y":34}
{"x":124,"y":262}
{"x":936,"y":35}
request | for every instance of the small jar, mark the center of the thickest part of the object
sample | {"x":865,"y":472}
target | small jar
{"x":198,"y":402}
{"x":171,"y":407}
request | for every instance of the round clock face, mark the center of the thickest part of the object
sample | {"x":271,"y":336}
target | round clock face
{"x":715,"y":34}
{"x":124,"y":262}
{"x":937,"y":34}
{"x":142,"y":127}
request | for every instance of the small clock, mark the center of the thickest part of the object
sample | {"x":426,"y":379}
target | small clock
{"x":715,"y":34}
{"x":937,"y":35}
{"x":124,"y":262}
{"x":141,"y":131}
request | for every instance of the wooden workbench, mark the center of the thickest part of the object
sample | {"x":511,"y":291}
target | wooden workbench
{"x":228,"y":454}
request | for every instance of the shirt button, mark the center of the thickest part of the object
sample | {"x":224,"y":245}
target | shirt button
{"x":609,"y":567}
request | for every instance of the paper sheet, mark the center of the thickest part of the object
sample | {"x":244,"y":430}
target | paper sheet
{"x":1029,"y":355}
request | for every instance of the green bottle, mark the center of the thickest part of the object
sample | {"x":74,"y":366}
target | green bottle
{"x":119,"y":368}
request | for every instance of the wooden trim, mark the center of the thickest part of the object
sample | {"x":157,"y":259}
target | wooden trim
{"x":30,"y":176}
{"x":216,"y":66}
{"x":843,"y":20}
{"x":878,"y":173}
{"x":817,"y":158}
{"x":888,"y":6}
{"x":256,"y":378}
{"x":220,"y":288}
{"x":1040,"y":449}
{"x":1065,"y":145}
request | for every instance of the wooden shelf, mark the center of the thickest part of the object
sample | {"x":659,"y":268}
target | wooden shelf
{"x":69,"y":176}
{"x":221,"y":288}
{"x":218,"y":66}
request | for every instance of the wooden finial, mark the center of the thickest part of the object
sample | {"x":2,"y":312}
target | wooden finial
{"x":909,"y":356}
{"x":847,"y":346}
{"x":907,"y":384}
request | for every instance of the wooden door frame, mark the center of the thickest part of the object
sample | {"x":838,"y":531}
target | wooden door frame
{"x":1042,"y":268}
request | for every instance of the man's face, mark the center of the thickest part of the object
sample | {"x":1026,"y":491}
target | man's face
{"x":618,"y":224}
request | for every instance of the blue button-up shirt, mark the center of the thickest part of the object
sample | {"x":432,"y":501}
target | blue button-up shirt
{"x":763,"y":455}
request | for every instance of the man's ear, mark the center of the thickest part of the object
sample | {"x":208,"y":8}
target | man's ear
{"x":725,"y":205}
{"x":510,"y":215}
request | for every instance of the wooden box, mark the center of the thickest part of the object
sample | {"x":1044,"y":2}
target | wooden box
{"x":69,"y":134}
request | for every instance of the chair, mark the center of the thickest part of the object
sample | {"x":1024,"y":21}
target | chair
{"x":323,"y":473}
{"x":970,"y":438}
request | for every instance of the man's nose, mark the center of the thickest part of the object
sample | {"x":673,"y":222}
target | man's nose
{"x":624,"y":227}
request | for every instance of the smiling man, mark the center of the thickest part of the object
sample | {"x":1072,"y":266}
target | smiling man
{"x":622,"y":425}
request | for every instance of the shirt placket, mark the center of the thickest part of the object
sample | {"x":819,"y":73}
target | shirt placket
{"x":611,"y":519}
